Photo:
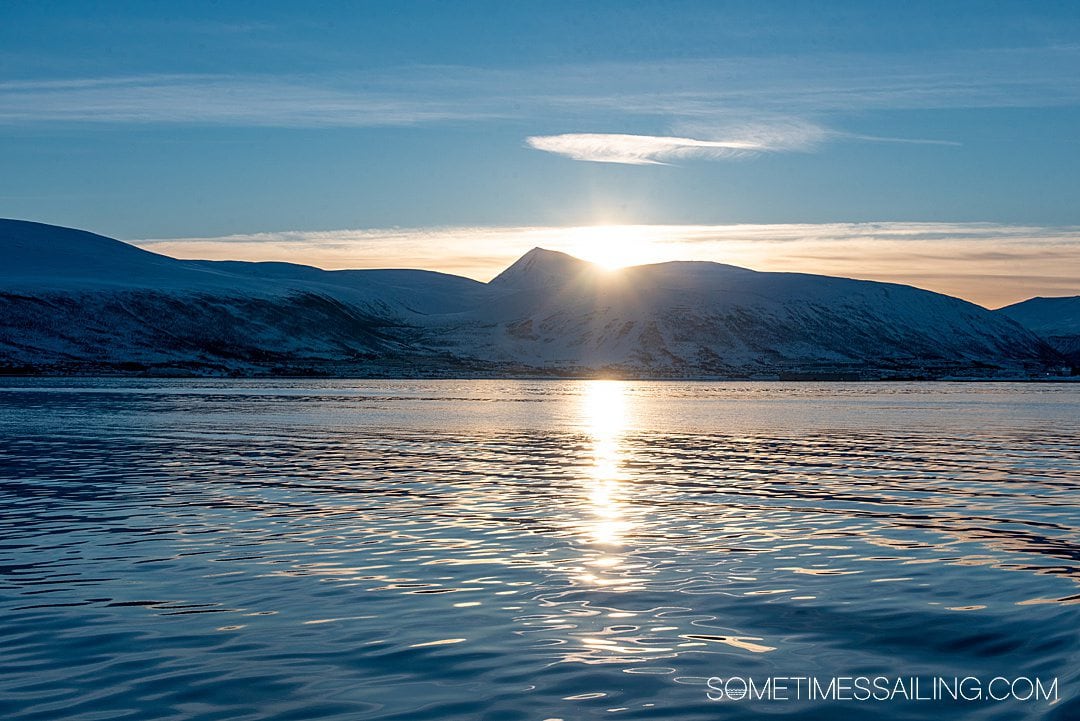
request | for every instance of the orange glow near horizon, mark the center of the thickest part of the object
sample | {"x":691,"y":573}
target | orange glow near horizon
{"x":992,"y":265}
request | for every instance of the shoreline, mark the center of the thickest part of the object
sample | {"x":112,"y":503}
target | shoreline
{"x":539,"y":377}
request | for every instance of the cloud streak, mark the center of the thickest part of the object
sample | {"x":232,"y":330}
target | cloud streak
{"x":714,"y":91}
{"x":988,"y":263}
{"x":745,"y":140}
{"x":227,"y":100}
{"x":767,"y":134}
{"x":639,"y":149}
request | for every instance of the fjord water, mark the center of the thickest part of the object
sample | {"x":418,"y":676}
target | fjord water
{"x":220,"y":549}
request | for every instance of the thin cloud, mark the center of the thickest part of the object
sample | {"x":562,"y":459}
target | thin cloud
{"x":224,"y":100}
{"x":908,"y":141}
{"x":714,"y":91}
{"x":639,"y":149}
{"x":733,"y":141}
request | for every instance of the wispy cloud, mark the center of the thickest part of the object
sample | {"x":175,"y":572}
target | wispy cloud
{"x":714,"y":91}
{"x":638,"y":149}
{"x":227,"y":100}
{"x":766,"y":135}
{"x":695,"y":140}
{"x":988,"y":263}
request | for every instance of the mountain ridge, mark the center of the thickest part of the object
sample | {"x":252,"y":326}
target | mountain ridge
{"x":73,"y":301}
{"x":1055,"y":319}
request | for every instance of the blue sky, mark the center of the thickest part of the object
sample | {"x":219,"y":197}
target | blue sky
{"x":148,"y":120}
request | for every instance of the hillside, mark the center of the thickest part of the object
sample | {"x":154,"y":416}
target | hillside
{"x":1056,"y":320}
{"x":72,"y":301}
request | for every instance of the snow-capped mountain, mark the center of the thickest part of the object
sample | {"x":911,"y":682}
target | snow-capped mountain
{"x":697,"y":317}
{"x":72,"y":301}
{"x":1056,"y":320}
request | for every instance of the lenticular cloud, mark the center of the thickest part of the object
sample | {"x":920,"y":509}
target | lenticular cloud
{"x":640,"y":149}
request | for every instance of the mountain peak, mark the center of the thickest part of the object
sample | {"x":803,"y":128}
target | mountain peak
{"x":541,"y":268}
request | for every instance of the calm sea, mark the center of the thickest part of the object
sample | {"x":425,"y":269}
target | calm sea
{"x":219,"y":549}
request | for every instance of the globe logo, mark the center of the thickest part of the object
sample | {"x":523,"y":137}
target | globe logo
{"x":736,"y":692}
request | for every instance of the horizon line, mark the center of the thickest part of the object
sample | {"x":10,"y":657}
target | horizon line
{"x":969,"y":260}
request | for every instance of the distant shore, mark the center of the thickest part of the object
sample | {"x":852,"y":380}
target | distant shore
{"x":301,"y":374}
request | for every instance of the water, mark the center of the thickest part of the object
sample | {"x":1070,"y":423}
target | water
{"x":529,"y":550}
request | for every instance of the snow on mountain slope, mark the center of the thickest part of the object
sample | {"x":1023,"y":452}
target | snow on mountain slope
{"x":1052,"y":316}
{"x":1056,"y":320}
{"x":698,"y":317}
{"x":71,"y":300}
{"x":404,"y":291}
{"x":541,"y":268}
{"x":39,"y":256}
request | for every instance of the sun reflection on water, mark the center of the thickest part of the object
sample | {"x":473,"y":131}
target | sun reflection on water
{"x":662,"y":530}
{"x":605,"y":419}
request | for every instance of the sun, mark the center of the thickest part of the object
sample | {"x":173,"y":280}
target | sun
{"x":609,"y":246}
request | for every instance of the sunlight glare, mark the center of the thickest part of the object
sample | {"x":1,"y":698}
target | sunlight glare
{"x":610,"y":246}
{"x":604,"y":412}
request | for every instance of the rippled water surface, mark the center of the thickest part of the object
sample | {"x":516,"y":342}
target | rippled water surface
{"x":528,"y":550}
